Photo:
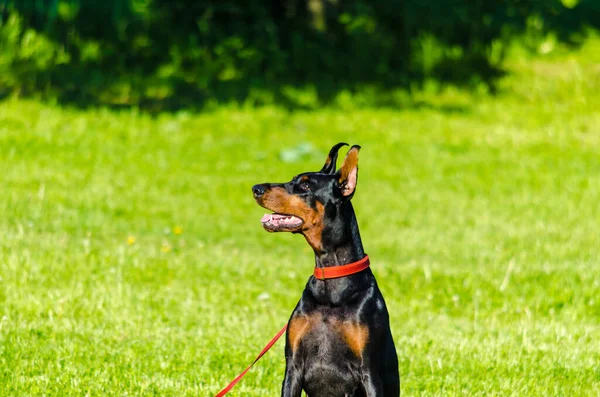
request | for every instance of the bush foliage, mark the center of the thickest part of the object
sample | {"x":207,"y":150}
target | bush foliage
{"x":173,"y":53}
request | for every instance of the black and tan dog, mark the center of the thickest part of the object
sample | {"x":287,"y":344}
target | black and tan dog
{"x":338,"y":341}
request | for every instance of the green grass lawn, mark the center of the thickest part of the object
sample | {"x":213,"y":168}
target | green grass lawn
{"x":132,"y":260}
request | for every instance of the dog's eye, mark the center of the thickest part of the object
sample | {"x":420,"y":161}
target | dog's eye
{"x":305,"y":187}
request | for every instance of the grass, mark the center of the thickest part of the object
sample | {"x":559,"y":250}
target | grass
{"x":132,"y":261}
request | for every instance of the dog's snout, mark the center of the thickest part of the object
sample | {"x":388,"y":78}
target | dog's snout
{"x":258,"y":190}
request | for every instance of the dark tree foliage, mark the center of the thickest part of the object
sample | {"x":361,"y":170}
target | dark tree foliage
{"x":174,"y":53}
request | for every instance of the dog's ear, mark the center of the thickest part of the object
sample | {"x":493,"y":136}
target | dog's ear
{"x":330,"y":163}
{"x":348,"y":173}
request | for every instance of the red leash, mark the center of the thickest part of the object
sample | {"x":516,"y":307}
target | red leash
{"x":321,"y":274}
{"x":262,"y":353}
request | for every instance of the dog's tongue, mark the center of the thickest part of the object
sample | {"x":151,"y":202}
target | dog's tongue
{"x":277,"y":222}
{"x":266,"y":218}
{"x":274,"y":217}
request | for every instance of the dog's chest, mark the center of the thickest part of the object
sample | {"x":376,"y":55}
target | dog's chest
{"x":318,"y":334}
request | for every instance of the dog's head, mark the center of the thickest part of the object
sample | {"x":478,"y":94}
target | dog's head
{"x":311,"y":201}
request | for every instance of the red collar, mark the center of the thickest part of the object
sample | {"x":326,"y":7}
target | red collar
{"x":323,"y":273}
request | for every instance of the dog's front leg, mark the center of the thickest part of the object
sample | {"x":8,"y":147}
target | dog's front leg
{"x":292,"y":382}
{"x":377,"y":383}
{"x":372,"y":385}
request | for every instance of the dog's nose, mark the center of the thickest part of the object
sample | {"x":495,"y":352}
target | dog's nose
{"x":258,"y":190}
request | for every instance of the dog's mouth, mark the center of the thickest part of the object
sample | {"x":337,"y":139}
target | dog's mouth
{"x":280,"y":222}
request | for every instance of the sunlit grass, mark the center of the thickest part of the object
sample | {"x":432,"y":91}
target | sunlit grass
{"x":132,"y":261}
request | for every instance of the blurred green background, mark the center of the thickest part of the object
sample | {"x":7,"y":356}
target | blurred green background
{"x":168,"y":54}
{"x":132,"y":259}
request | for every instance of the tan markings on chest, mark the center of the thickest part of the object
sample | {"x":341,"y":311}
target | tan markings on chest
{"x":299,"y":326}
{"x":353,"y":334}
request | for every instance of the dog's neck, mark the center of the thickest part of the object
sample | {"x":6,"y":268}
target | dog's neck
{"x":341,"y":242}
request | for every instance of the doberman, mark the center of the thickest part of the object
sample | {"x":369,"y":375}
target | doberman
{"x":338,"y":341}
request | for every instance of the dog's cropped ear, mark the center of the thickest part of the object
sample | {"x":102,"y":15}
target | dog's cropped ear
{"x":348,"y":173}
{"x":330,"y":163}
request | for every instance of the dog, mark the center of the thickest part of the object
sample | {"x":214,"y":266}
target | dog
{"x":338,"y":340}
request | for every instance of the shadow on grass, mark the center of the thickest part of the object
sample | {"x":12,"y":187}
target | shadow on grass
{"x":293,"y":96}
